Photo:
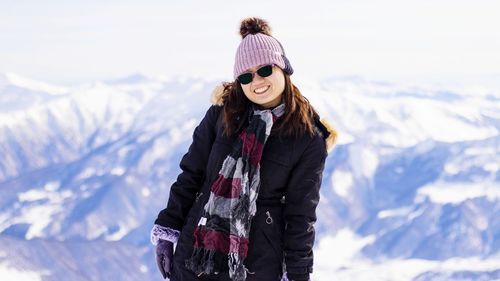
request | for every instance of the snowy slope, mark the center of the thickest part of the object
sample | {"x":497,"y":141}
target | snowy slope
{"x":72,"y":260}
{"x":101,"y":150}
{"x":414,"y":179}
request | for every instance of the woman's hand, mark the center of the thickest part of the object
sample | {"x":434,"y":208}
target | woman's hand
{"x":164,"y":257}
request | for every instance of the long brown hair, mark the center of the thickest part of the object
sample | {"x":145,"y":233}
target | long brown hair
{"x":297,"y":120}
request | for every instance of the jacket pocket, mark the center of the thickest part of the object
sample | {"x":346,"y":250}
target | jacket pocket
{"x":273,"y":229}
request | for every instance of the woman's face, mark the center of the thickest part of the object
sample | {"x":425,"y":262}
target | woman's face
{"x":265,"y":91}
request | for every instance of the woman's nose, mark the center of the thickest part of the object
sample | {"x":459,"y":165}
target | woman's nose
{"x":257,"y":78}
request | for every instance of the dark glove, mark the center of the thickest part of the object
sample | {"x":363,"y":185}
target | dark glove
{"x":164,"y":257}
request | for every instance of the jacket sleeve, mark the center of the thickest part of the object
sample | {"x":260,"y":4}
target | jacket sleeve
{"x":190,"y":180}
{"x":302,"y":198}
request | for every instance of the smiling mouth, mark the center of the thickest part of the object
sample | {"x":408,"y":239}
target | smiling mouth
{"x":261,"y":90}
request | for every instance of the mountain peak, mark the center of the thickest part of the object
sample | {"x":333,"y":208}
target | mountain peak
{"x":10,"y":78}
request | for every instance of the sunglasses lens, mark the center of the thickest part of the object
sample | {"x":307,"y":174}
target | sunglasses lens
{"x":265,"y":71}
{"x":245,"y":78}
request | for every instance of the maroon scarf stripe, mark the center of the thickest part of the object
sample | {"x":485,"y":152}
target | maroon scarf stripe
{"x":251,"y":147}
{"x":219,"y":241}
{"x":227,"y":188}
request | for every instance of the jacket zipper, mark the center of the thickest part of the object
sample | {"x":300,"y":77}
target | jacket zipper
{"x":269,"y":219}
{"x":198,"y":195}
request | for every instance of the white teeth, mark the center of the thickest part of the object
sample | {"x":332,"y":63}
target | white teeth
{"x":261,"y":90}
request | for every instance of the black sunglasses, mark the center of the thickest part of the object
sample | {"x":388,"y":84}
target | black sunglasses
{"x":263,"y":71}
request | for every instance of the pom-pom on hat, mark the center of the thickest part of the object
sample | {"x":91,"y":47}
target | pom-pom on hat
{"x":258,"y":47}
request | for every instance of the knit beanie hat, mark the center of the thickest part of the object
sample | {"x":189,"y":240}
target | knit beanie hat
{"x":258,"y":47}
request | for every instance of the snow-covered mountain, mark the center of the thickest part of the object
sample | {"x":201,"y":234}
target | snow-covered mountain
{"x":413,"y":183}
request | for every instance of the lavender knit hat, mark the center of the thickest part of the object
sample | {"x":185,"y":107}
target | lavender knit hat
{"x":258,"y":47}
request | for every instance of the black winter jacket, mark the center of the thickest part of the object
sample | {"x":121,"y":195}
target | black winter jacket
{"x":282,"y":231}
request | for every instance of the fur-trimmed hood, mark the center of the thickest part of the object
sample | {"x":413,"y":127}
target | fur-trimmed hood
{"x":323,"y":124}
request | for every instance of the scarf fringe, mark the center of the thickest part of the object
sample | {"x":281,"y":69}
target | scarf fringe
{"x":201,"y":261}
{"x":237,"y":270}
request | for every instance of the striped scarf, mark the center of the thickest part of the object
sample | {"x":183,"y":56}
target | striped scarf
{"x":223,"y":230}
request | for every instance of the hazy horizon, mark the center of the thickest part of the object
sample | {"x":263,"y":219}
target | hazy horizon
{"x":443,"y":41}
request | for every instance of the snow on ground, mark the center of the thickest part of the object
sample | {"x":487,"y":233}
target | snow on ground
{"x":442,"y":192}
{"x":337,"y":258}
{"x":9,"y":273}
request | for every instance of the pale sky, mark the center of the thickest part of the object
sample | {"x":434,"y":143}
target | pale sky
{"x":68,"y":42}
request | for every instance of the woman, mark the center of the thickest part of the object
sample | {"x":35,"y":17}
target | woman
{"x":243,"y":207}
